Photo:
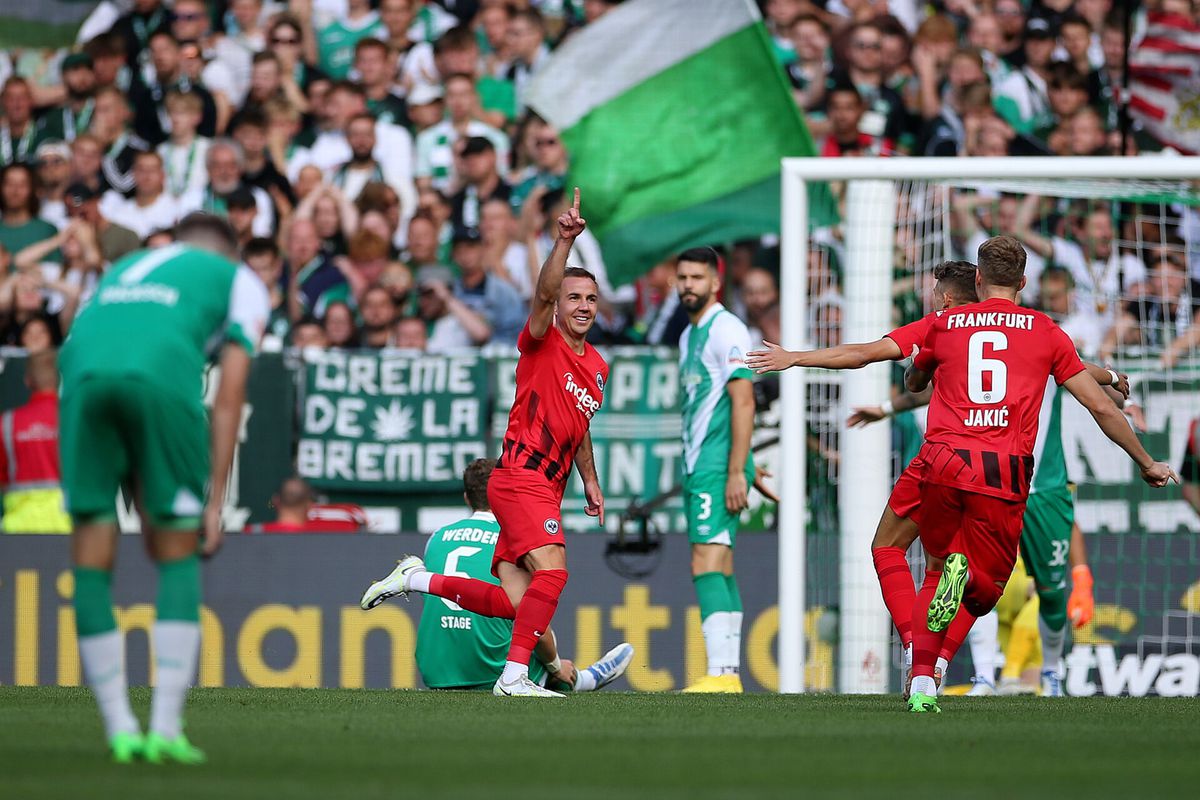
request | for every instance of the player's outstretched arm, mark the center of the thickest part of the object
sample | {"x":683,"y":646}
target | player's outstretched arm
{"x":843,"y":356}
{"x":905,"y":401}
{"x":585,"y":462}
{"x":1085,"y":389}
{"x":225,"y":420}
{"x":545,"y":295}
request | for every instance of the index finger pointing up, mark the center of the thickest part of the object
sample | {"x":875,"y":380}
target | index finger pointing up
{"x":575,"y":205}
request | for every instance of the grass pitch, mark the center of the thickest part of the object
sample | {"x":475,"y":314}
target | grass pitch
{"x":303,"y":744}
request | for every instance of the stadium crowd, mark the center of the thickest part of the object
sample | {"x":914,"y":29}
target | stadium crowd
{"x":391,"y":188}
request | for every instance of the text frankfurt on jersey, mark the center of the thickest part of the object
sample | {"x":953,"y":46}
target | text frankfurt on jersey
{"x":990,"y":319}
{"x":583,"y":398}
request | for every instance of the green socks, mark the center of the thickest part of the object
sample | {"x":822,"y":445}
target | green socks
{"x":712,"y":591}
{"x":93,"y":601}
{"x":179,"y":590}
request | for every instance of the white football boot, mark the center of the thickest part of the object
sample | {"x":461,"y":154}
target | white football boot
{"x":521,"y":687}
{"x":981,"y":687}
{"x":612,"y":666}
{"x":1051,"y":683}
{"x":393,"y":584}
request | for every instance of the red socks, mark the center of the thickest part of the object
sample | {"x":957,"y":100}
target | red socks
{"x":926,"y":644}
{"x":896,"y":582}
{"x":981,"y":593}
{"x":536,"y":610}
{"x":480,"y":597}
{"x":956,"y":633}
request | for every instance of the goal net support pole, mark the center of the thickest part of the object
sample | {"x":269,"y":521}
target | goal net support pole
{"x":865,"y":457}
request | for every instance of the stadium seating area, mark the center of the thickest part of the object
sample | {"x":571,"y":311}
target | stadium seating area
{"x":389,"y":184}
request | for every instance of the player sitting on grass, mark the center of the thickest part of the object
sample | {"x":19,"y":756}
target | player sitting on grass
{"x":132,"y":415}
{"x":459,"y":649}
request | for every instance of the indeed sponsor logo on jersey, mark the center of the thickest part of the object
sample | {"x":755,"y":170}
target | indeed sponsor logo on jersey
{"x":990,"y":319}
{"x":140,"y":293}
{"x":987,"y":418}
{"x":583,"y":398}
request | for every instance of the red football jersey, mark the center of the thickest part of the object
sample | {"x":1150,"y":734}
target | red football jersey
{"x":992,"y":360}
{"x":911,"y":337}
{"x":558,"y":393}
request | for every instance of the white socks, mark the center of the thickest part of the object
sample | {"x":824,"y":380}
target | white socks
{"x":585,"y":681}
{"x":942,"y":665}
{"x":513,"y":672}
{"x":733,"y":661}
{"x":103,"y":656}
{"x":418,"y":581}
{"x":716,"y":629}
{"x":176,"y":651}
{"x":984,"y":640}
{"x":1052,"y":645}
{"x":923,"y":684}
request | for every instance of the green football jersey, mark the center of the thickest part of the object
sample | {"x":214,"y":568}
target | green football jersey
{"x":158,"y":314}
{"x":336,"y":42}
{"x":1049,"y":458}
{"x":711,"y":353}
{"x":458,"y":648}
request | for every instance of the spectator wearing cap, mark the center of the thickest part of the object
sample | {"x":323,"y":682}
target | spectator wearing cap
{"x":225,"y":165}
{"x":135,"y":28}
{"x":151,"y":120}
{"x":54,"y":175}
{"x":435,"y":146}
{"x":1022,"y":99}
{"x":375,"y":63}
{"x":335,"y":42}
{"x":310,"y":270}
{"x":480,"y":180}
{"x":20,"y":225}
{"x":226,"y":71}
{"x":885,"y":114}
{"x":392,"y":149}
{"x":496,"y":300}
{"x":259,"y":171}
{"x":526,"y":45}
{"x":74,"y":115}
{"x":452,"y":324}
{"x":378,"y":312}
{"x":83,"y":203}
{"x":19,"y":134}
{"x":120,"y":146}
{"x":549,"y":165}
{"x":844,"y":108}
{"x":151,"y":207}
{"x":426,"y":106}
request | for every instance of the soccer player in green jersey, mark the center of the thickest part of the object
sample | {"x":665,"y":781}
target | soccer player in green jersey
{"x":459,"y":649}
{"x":132,"y":415}
{"x":718,"y":418}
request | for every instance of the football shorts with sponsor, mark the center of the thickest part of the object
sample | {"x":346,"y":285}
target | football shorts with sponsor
{"x":1046,"y":536}
{"x":985,"y":528}
{"x":529,"y":510}
{"x":118,"y":431}
{"x":709,"y":521}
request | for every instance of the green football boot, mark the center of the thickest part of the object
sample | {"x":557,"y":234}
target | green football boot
{"x":923,"y":704}
{"x":126,"y":747}
{"x":160,"y":750}
{"x":949,"y":593}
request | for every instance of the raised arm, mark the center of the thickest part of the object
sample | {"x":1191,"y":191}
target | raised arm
{"x":1084,"y":388}
{"x":549,"y":281}
{"x":1023,"y":227}
{"x":843,"y":356}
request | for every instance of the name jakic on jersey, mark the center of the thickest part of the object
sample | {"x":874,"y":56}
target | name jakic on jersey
{"x":584,"y":401}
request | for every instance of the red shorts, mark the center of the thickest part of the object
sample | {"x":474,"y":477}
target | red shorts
{"x":529,"y":510}
{"x":987,"y":529}
{"x":905,"y":499}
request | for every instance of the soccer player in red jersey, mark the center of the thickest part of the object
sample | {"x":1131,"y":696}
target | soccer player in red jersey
{"x":560,"y":386}
{"x":992,"y":360}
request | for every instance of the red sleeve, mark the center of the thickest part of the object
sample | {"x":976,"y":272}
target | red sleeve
{"x":911,"y":336}
{"x":925,"y":359}
{"x":527,"y":341}
{"x":1065,"y":363}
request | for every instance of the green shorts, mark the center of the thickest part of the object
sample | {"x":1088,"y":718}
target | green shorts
{"x":119,"y":431}
{"x":1046,"y":537}
{"x":709,"y":522}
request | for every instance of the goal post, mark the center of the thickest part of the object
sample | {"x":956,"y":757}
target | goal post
{"x":874,"y":188}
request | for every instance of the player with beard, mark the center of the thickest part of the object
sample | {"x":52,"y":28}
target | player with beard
{"x":560,"y":386}
{"x":718,"y":418}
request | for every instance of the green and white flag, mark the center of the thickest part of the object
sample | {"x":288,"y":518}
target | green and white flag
{"x":676,"y":114}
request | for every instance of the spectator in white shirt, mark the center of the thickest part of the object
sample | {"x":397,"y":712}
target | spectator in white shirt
{"x":225,"y":165}
{"x":151,"y":208}
{"x":435,"y":146}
